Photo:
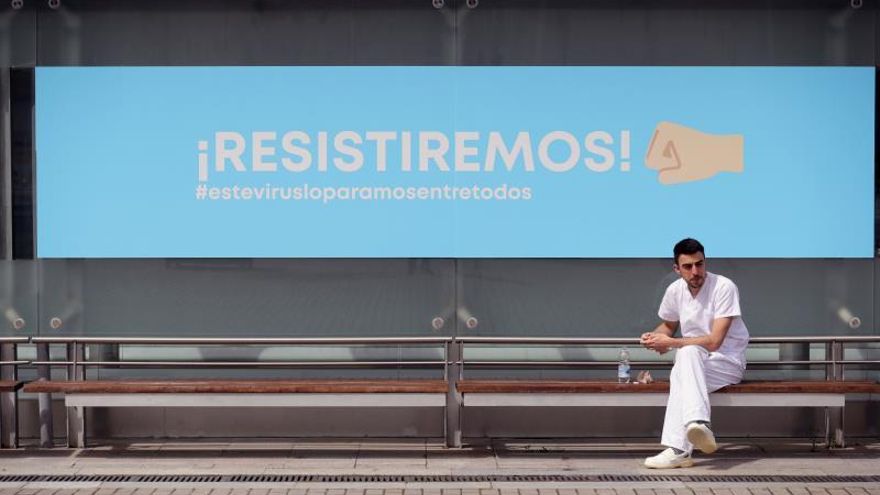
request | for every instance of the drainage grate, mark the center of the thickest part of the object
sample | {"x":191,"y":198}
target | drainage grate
{"x":469,"y":478}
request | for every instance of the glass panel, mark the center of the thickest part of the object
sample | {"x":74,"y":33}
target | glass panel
{"x":17,"y":48}
{"x":267,"y":297}
{"x":18,"y":298}
{"x":247,"y":298}
{"x":235,"y":32}
{"x":682,"y":32}
{"x":17,"y":34}
{"x":619,"y":298}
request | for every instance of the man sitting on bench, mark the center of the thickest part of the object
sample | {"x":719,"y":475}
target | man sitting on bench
{"x":711,"y":352}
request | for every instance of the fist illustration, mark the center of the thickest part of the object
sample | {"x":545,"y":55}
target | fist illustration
{"x":681,"y":154}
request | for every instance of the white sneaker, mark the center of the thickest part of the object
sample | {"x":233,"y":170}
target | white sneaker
{"x":701,"y":436}
{"x":668,"y":459}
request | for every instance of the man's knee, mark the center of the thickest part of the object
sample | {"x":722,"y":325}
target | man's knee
{"x":691,"y":352}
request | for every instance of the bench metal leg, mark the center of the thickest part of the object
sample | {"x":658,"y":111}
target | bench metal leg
{"x":76,"y":416}
{"x":8,"y":401}
{"x":9,"y":420}
{"x":834,"y":415}
{"x":452,"y":424}
{"x":834,"y":437}
{"x":76,"y":427}
{"x":44,"y":401}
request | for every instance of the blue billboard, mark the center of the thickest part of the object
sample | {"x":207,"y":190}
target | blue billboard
{"x":454,"y":161}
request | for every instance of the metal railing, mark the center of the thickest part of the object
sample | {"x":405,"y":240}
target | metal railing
{"x":76,"y":356}
{"x":833,"y":362}
{"x":452,"y":360}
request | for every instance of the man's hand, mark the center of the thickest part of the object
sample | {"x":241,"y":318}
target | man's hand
{"x":657,"y":342}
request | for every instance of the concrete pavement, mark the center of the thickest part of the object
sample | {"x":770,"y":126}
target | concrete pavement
{"x":425,"y":467}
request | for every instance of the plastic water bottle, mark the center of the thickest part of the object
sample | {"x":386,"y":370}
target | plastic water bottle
{"x":623,"y":366}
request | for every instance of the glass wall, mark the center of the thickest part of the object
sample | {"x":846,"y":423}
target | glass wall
{"x":341,"y":297}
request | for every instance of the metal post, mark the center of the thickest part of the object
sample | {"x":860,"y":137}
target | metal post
{"x":834,"y":427}
{"x":76,"y":420}
{"x":453,"y":397}
{"x":44,"y":400}
{"x":8,"y":400}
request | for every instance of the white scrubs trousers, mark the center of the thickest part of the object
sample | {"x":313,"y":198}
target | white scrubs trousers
{"x":695,"y":374}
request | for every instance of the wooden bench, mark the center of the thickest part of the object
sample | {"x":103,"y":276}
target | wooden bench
{"x":455,"y":392}
{"x":572,"y":393}
{"x":80,"y":393}
{"x":10,"y":385}
{"x":236,"y":393}
{"x":504,"y":393}
{"x":830,"y":393}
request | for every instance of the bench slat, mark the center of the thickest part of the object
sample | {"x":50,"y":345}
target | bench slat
{"x":238,"y":386}
{"x":595,"y":386}
{"x":648,"y":399}
{"x":347,"y":400}
{"x":10,"y":385}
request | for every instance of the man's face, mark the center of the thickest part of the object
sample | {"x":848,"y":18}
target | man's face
{"x":692,"y":268}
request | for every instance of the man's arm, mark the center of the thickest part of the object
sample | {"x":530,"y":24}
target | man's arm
{"x":666,"y":328}
{"x":661,"y":340}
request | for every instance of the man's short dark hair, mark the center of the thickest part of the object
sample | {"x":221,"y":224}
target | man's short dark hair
{"x":687,"y":246}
